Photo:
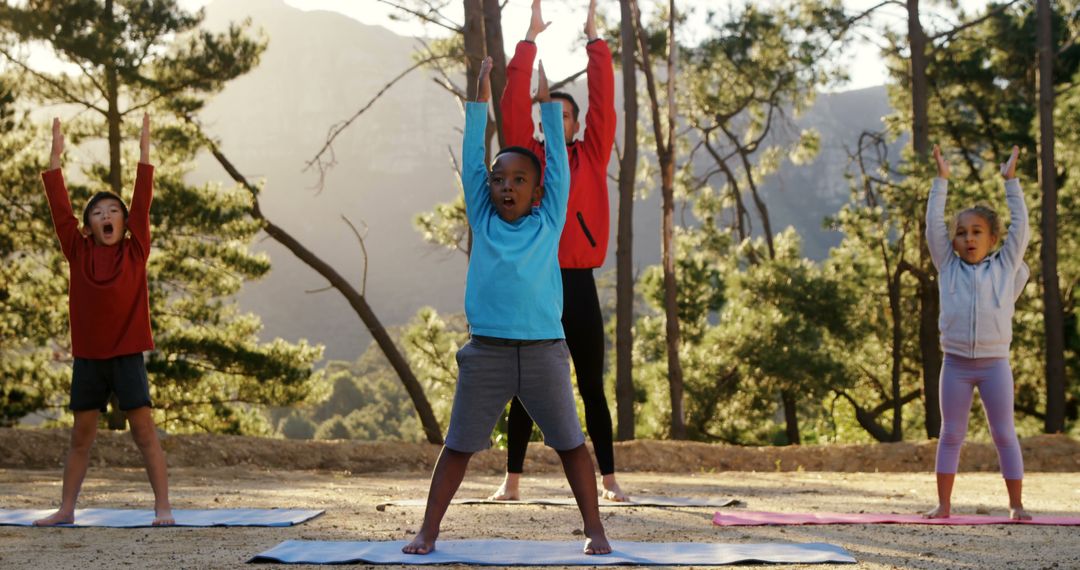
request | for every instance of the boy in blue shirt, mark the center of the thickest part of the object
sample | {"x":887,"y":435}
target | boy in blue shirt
{"x":513,"y":302}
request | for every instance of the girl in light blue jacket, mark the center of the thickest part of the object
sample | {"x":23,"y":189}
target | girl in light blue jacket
{"x":978,"y":289}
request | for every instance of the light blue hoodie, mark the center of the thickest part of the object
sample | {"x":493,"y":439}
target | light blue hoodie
{"x":977,"y":300}
{"x":513,"y":288}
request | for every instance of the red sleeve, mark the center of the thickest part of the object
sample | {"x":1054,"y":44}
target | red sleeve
{"x":600,"y":119}
{"x":139,"y":214}
{"x":516,"y":102}
{"x":64,"y":220}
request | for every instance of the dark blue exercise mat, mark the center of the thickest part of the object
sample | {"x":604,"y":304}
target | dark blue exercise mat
{"x":553,"y":553}
{"x":129,"y":518}
{"x":635,"y":501}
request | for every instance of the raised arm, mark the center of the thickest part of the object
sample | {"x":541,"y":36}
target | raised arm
{"x":474,"y":173}
{"x":937,"y":231}
{"x":1019,"y":227}
{"x":139,"y":215}
{"x":557,"y":167}
{"x":64,"y":221}
{"x":600,"y":119}
{"x":516,"y":103}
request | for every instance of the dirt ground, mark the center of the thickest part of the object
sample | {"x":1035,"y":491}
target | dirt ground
{"x":220,"y":472}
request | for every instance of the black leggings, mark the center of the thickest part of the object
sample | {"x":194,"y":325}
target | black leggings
{"x":584,"y":327}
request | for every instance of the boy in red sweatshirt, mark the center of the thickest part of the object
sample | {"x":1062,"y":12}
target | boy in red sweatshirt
{"x":584,"y":240}
{"x":110,"y":321}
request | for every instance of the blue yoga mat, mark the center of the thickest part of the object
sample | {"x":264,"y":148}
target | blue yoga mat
{"x":128,"y":518}
{"x":553,"y":553}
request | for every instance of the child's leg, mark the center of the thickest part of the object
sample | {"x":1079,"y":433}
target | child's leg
{"x":996,"y":391}
{"x":956,"y":391}
{"x":145,"y":435}
{"x":519,"y":428}
{"x":582,"y":478}
{"x":78,"y":459}
{"x":445,"y":480}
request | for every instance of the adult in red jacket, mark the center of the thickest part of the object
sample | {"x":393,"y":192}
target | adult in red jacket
{"x":584,"y":239}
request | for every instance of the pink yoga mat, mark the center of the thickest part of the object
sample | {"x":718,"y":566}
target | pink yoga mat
{"x":756,"y":518}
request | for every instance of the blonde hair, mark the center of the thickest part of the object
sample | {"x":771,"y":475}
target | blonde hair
{"x":984,"y":211}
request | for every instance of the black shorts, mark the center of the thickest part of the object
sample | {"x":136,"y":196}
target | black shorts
{"x":93,"y":380}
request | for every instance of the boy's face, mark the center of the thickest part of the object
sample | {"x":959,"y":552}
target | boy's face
{"x":973,"y":240}
{"x":514,"y":186}
{"x":107,"y":223}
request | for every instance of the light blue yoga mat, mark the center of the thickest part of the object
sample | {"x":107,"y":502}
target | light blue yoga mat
{"x":129,"y":518}
{"x":635,"y":501}
{"x":553,"y":553}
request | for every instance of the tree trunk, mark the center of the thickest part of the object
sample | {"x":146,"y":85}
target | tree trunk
{"x":474,"y":44}
{"x":355,"y":299}
{"x":1053,"y":312}
{"x":671,"y":290}
{"x":929,"y":346}
{"x":665,"y":154}
{"x":493,"y":39}
{"x":624,"y":258}
{"x":116,"y":418}
{"x":791,"y":417}
{"x":897,"y":355}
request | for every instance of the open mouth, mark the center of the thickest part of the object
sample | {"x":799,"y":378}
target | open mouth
{"x":508,"y":201}
{"x":107,"y":230}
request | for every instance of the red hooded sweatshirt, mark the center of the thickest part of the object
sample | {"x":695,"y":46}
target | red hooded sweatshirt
{"x":584,"y":239}
{"x":108,"y":303}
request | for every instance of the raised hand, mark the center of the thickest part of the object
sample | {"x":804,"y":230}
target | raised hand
{"x":543,"y":95}
{"x":1008,"y":168}
{"x":590,"y":22}
{"x":57,"y":145}
{"x":536,"y":23}
{"x":144,"y":140}
{"x":483,"y":82}
{"x":942,"y":165}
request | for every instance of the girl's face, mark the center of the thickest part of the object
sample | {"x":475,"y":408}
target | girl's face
{"x":973,"y":239}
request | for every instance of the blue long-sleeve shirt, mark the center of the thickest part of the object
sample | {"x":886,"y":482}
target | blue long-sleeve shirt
{"x":514,"y":287}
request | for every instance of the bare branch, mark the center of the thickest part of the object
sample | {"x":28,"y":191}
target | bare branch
{"x":950,"y":34}
{"x":432,"y":17}
{"x":335,"y":130}
{"x":363,"y":249}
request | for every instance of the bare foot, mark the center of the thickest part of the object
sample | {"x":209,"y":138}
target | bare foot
{"x":941,"y":512}
{"x":59,"y":517}
{"x":163,"y":517}
{"x":611,"y":490}
{"x":1019,"y":514}
{"x":419,"y":545}
{"x":509,"y":490}
{"x":597,"y":544}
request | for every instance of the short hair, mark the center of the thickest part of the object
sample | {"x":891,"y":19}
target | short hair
{"x":99,"y":197}
{"x":984,"y":211}
{"x":527,"y":154}
{"x":568,"y":97}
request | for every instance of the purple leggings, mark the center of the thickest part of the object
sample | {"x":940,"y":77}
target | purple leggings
{"x":959,"y":377}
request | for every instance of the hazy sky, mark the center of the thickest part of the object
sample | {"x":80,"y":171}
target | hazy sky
{"x":560,"y":44}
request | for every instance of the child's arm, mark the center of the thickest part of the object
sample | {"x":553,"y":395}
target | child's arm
{"x":139,"y":215}
{"x":937,"y":231}
{"x":1019,"y":228}
{"x":64,"y":220}
{"x":600,"y":118}
{"x":557,"y":168}
{"x":474,"y":173}
{"x":516,"y":103}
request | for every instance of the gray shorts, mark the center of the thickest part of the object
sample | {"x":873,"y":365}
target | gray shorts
{"x":94,"y":380}
{"x":489,"y":375}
